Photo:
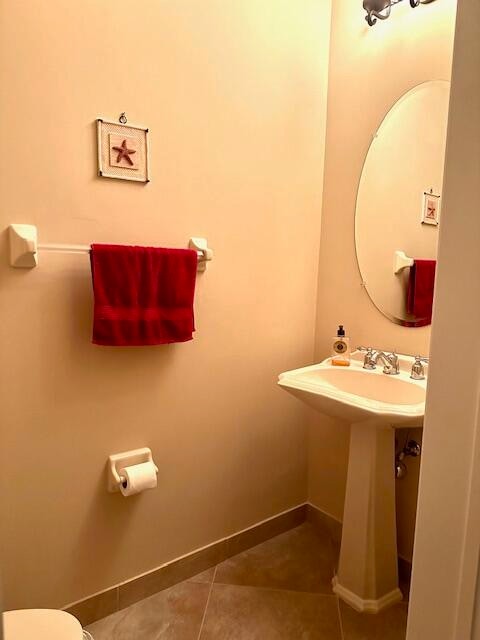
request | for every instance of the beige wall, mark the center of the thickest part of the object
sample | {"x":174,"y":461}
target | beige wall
{"x":370,"y":68}
{"x":234,"y":94}
{"x":447,"y":541}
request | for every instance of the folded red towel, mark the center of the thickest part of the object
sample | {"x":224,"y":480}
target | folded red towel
{"x":143,"y":295}
{"x":420,"y":290}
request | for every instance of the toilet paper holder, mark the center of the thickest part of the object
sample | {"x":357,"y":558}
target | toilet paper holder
{"x":119,"y":461}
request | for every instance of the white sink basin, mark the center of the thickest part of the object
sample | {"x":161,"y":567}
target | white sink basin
{"x":356,"y":394}
{"x":373,"y":402}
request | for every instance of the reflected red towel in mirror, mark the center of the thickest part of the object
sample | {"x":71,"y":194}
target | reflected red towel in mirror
{"x":142,"y":295}
{"x":420,"y":289}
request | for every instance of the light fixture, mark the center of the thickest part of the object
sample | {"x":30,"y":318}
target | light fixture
{"x":381,"y":9}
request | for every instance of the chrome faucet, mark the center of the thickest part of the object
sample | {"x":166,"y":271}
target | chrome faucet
{"x":391,"y":364}
{"x":418,"y":370}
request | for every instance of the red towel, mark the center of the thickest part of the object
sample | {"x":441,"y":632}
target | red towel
{"x":143,"y":295}
{"x":420,"y":289}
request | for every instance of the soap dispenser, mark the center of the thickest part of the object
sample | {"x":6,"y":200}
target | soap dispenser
{"x":341,"y":349}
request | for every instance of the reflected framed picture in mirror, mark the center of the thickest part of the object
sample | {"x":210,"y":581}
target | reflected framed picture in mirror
{"x":430,"y":208}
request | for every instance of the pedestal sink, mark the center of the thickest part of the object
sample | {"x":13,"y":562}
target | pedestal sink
{"x":375,"y":404}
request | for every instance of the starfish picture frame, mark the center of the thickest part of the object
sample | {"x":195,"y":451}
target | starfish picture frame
{"x":122,"y":151}
{"x":430,"y":208}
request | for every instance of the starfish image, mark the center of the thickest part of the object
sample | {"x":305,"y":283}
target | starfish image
{"x":123,"y":152}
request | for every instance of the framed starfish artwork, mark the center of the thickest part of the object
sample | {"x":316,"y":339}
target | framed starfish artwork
{"x":122,"y":151}
{"x":430,"y":208}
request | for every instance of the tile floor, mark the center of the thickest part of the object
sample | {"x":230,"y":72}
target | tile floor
{"x":278,"y":590}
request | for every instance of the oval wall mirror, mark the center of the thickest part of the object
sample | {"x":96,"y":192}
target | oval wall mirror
{"x":398,"y":208}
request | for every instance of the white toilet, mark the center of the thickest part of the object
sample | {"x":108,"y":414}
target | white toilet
{"x":41,"y":624}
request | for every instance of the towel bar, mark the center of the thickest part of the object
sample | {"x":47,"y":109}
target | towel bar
{"x":24,"y":247}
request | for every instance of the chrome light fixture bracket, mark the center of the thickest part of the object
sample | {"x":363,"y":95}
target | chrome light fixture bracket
{"x":381,"y":9}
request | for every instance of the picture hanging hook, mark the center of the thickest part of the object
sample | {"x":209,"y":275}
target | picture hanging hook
{"x":123,"y":118}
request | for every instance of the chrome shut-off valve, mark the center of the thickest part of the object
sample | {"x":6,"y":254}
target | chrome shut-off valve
{"x":413,"y":449}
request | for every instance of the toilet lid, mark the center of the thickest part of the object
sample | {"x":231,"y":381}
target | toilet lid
{"x":41,"y":624}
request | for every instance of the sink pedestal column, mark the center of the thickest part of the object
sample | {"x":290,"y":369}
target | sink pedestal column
{"x":367,"y":577}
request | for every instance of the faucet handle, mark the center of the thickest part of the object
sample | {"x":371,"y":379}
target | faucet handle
{"x":368,"y":361}
{"x":421,"y":359}
{"x":418,"y":370}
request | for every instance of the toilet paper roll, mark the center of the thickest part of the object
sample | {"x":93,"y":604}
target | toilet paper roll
{"x":137,"y":478}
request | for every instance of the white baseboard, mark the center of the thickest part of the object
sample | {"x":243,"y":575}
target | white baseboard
{"x":366,"y":606}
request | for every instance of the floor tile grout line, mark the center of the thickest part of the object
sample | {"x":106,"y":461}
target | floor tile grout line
{"x":254,"y":586}
{"x":333,"y":555}
{"x":342,"y":635}
{"x":207,"y":603}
